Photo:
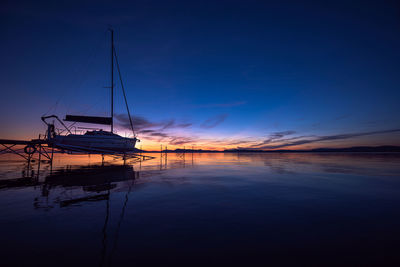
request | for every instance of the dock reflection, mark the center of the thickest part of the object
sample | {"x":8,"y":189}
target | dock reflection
{"x":74,"y":185}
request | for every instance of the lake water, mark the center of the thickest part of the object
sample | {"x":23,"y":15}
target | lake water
{"x":202,"y":209}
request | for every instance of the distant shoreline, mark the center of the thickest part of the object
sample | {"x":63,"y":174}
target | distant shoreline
{"x":360,"y":149}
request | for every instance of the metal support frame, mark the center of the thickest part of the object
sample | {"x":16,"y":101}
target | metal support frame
{"x":40,"y":149}
{"x":9,"y":149}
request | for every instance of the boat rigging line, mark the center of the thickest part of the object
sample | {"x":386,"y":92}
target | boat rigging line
{"x":123,"y":91}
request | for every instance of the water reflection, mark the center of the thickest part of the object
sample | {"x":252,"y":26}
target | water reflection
{"x":225,"y":206}
{"x":78,"y":179}
{"x":94,"y":180}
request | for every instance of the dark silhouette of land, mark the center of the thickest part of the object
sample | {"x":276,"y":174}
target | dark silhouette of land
{"x":356,"y":149}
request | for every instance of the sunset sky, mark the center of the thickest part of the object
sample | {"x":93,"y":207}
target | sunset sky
{"x":208,"y":74}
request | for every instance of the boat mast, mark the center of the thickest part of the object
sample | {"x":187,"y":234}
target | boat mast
{"x":112,"y":79}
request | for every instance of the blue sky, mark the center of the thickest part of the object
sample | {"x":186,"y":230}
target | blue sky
{"x":209,"y":73}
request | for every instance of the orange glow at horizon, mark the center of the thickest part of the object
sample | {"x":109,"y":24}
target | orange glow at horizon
{"x":220,"y":142}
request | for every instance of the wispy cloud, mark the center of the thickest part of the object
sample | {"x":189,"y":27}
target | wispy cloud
{"x":314,"y":139}
{"x":239,"y":142}
{"x":144,"y":125}
{"x":273,"y":137}
{"x":278,"y":135}
{"x":181,"y":141}
{"x":213,"y":121}
{"x":158,"y":134}
{"x":176,"y":133}
{"x":156,"y":131}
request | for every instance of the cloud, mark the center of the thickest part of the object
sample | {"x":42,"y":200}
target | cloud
{"x":274,"y":137}
{"x":184,"y":125}
{"x":213,"y":121}
{"x":278,"y":135}
{"x":167,"y":131}
{"x":181,"y":140}
{"x":158,"y":134}
{"x":239,"y":142}
{"x":143,"y":125}
{"x":155,"y":131}
{"x":139,"y":123}
{"x":146,"y":131}
{"x":315,"y":139}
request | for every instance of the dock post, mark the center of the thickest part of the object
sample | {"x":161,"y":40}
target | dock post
{"x":166,"y":155}
{"x":40,"y":155}
{"x":52,"y":153}
{"x":184,"y":160}
{"x":160,"y":157}
{"x":51,"y":160}
{"x":29,"y":161}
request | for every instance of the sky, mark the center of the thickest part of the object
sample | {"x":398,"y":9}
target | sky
{"x":208,"y":74}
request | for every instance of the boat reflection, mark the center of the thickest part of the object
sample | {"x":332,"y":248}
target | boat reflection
{"x":74,"y":185}
{"x":90,"y":177}
{"x":78,"y":185}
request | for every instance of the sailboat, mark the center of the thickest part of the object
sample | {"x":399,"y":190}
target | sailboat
{"x":93,"y":141}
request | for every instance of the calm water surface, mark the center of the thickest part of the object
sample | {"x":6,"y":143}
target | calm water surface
{"x":202,"y":209}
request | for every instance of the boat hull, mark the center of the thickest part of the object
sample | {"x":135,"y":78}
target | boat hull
{"x":94,"y":144}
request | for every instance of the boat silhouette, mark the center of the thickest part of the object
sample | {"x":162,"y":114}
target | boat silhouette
{"x":93,"y":141}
